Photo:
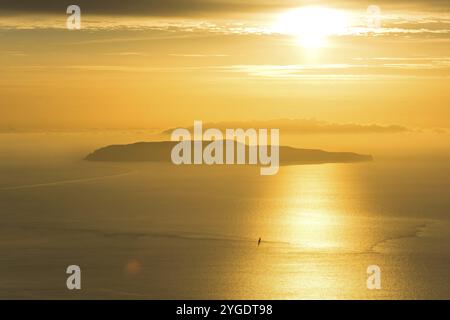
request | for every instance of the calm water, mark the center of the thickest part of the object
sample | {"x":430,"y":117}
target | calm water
{"x":160,"y":231}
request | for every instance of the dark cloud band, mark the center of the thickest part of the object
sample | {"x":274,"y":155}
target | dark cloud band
{"x":133,"y":7}
{"x":187,"y":7}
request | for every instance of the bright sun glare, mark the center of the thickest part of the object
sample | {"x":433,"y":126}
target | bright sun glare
{"x":312,"y":25}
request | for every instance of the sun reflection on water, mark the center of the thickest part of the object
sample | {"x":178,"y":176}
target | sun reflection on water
{"x":312,"y":217}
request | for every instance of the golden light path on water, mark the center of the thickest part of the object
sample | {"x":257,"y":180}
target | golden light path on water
{"x":311,"y":216}
{"x":318,"y":239}
{"x":312,"y":221}
{"x":304,"y":248}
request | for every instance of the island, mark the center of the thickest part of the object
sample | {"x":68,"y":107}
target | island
{"x":160,"y":151}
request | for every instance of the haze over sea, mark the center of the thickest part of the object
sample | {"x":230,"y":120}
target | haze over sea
{"x":156,"y":231}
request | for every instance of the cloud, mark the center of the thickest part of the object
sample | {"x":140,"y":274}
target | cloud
{"x":440,"y":130}
{"x":197,"y":55}
{"x":436,"y":68}
{"x":14,"y":53}
{"x":133,"y":7}
{"x":307,"y":126}
{"x":215,"y":17}
{"x":127,"y":54}
{"x":190,"y":7}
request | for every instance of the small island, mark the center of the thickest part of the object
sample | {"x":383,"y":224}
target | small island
{"x":161,"y":152}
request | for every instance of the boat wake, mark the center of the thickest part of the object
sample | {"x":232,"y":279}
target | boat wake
{"x":62,"y":182}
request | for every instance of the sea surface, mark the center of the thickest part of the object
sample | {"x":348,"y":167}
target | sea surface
{"x":159,"y":231}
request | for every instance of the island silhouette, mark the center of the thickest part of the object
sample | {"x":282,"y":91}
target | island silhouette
{"x":160,"y":151}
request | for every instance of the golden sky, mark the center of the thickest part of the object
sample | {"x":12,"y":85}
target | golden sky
{"x":159,"y":64}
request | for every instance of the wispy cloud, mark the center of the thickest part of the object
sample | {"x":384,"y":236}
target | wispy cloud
{"x":14,"y":53}
{"x":307,"y":126}
{"x":127,"y":54}
{"x":346,"y":71}
{"x":381,"y":69}
{"x":401,"y":23}
{"x":187,"y":55}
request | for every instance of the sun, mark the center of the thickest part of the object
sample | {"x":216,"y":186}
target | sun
{"x":312,"y":25}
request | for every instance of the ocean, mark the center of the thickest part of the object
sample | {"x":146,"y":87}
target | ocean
{"x":159,"y":231}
